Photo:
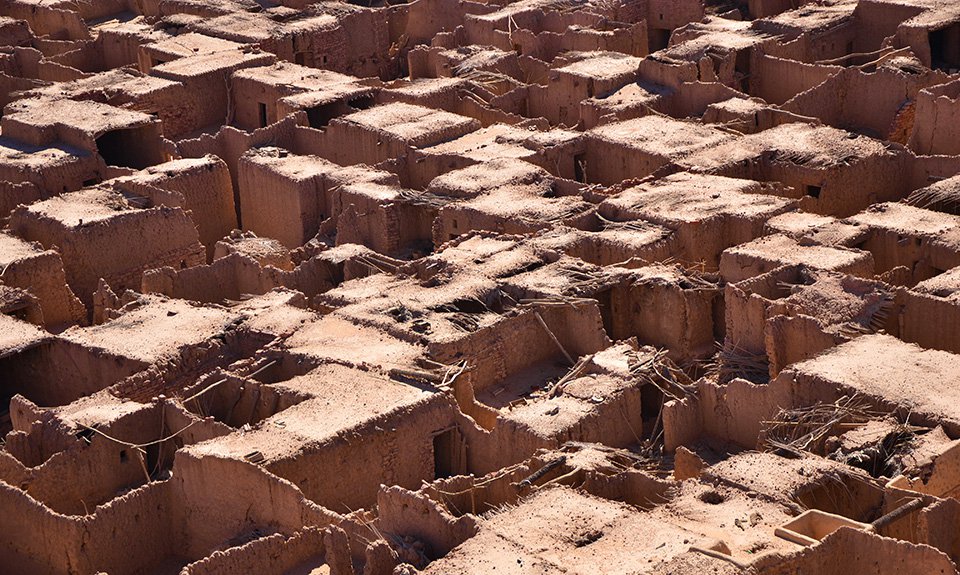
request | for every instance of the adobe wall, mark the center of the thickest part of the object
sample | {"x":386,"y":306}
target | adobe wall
{"x":229,"y":144}
{"x":930,"y":321}
{"x":48,"y":20}
{"x":347,"y":143}
{"x":35,"y":540}
{"x":246,"y":97}
{"x":731,"y":412}
{"x":923,"y":256}
{"x":43,"y":275}
{"x":163,"y":236}
{"x":226,"y":278}
{"x":37,"y":435}
{"x":877,"y":20}
{"x":795,"y":339}
{"x":231,"y":276}
{"x":610,"y":162}
{"x":211,"y":514}
{"x":864,"y":101}
{"x":410,"y":513}
{"x":506,"y":444}
{"x":777,"y":80}
{"x":425,"y":18}
{"x":844,"y":190}
{"x":277,"y":553}
{"x":208,"y":193}
{"x":666,"y":315}
{"x":131,"y":533}
{"x":849,"y":550}
{"x":603,"y":250}
{"x":281,"y":207}
{"x":214,"y":108}
{"x":386,"y":227}
{"x":82,"y":477}
{"x":668,"y":72}
{"x":458,"y":218}
{"x":935,"y":129}
{"x":67,"y":174}
{"x":59,"y":372}
{"x":395,"y":448}
{"x":670,"y":14}
{"x":559,"y":100}
{"x":123,"y":537}
{"x":515,"y":343}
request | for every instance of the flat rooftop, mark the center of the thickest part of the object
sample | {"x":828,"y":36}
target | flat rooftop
{"x":415,"y":125}
{"x":923,"y":382}
{"x":155,"y":330}
{"x":341,"y":399}
{"x":192,"y":43}
{"x":501,"y":141}
{"x":478,"y":179}
{"x":684,"y":198}
{"x":78,"y":208}
{"x":200,"y":64}
{"x":907,"y":220}
{"x":660,"y":136}
{"x":17,"y":336}
{"x":294,"y":76}
{"x":601,"y":65}
{"x":29,"y":160}
{"x":13,"y":248}
{"x":814,"y":147}
{"x":548,"y":533}
{"x":338,"y":339}
{"x":945,"y":285}
{"x":83,"y":115}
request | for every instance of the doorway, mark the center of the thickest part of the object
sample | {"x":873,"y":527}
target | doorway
{"x":449,"y":453}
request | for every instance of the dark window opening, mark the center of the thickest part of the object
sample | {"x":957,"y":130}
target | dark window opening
{"x":651,"y":404}
{"x":658,"y":40}
{"x":814,"y":191}
{"x":361,"y":102}
{"x":462,"y":305}
{"x":605,"y":303}
{"x":300,"y":58}
{"x":320,"y":116}
{"x":323,"y":59}
{"x":945,"y":48}
{"x":129,"y":148}
{"x":123,"y":456}
{"x":580,"y":168}
{"x":449,"y":454}
{"x":742,"y":68}
{"x":263,"y":113}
